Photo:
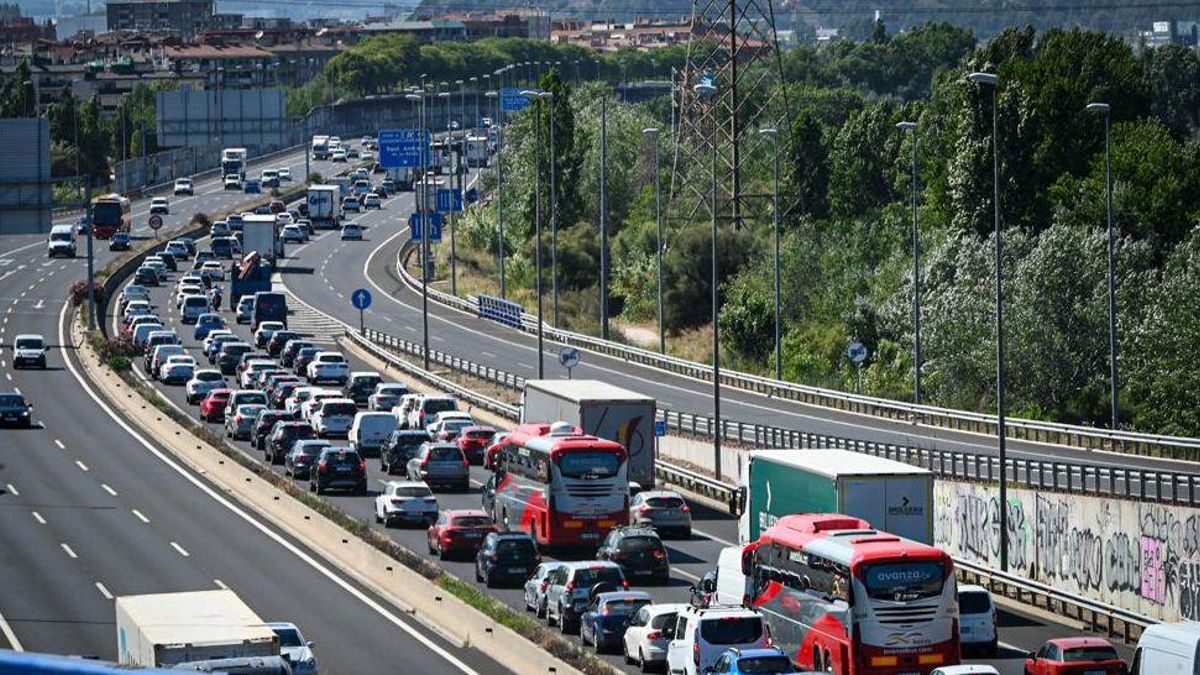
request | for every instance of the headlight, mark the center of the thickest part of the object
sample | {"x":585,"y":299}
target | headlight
{"x":25,"y":413}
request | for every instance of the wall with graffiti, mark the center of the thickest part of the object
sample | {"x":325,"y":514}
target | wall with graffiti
{"x":1139,"y":556}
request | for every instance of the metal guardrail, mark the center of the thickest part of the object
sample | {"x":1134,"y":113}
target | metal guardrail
{"x":1171,"y":447}
{"x":1119,"y":482}
{"x":503,"y":311}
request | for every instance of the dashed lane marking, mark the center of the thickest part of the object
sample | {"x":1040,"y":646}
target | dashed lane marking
{"x":12,"y":490}
{"x":38,"y":517}
{"x":179,"y":549}
{"x":68,"y":550}
{"x":60,"y":444}
{"x":140,"y":517}
{"x":81,"y":465}
{"x":103,"y":591}
{"x":108,"y":489}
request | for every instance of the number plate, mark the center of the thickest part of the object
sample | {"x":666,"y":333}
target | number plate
{"x":516,"y":570}
{"x":590,"y":535}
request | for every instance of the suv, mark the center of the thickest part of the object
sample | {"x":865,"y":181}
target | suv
{"x":230,"y":354}
{"x":407,"y":501}
{"x":639,"y":552}
{"x":183,"y":186}
{"x":506,"y":557}
{"x":400,"y":447}
{"x":15,"y":410}
{"x":426,"y":407}
{"x":440,"y":464}
{"x":333,"y":417}
{"x":570,"y":588}
{"x":977,"y":620}
{"x":328,"y":367}
{"x":361,"y":385}
{"x":701,"y":635}
{"x":264,"y":426}
{"x":663,"y":510}
{"x":336,"y":468}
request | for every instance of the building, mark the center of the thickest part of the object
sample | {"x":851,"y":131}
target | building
{"x":643,"y":34}
{"x":425,"y":32}
{"x":185,"y":17}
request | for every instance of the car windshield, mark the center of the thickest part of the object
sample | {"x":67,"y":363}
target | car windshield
{"x":481,"y":435}
{"x":8,"y":400}
{"x":411,"y":491}
{"x":590,"y":576}
{"x":312,"y":449}
{"x":974,"y":602}
{"x":472,"y":521}
{"x":625,"y":606}
{"x":434,"y":406}
{"x":445,"y":454}
{"x":515,"y":547}
{"x":639,"y":543}
{"x":765,"y":664}
{"x":288,"y":637}
{"x":731,"y":630}
{"x":456,"y":425}
{"x":902,"y":581}
{"x":589,"y":464}
{"x":208,"y":376}
{"x":1096,"y":653}
{"x":340,"y":409}
{"x":665,"y":502}
{"x":28,"y":343}
{"x":341,"y":457}
{"x":252,"y":398}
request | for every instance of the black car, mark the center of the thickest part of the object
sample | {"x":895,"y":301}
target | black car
{"x":119,"y":241}
{"x":278,"y":339}
{"x":283,"y":436}
{"x":301,"y":458}
{"x":265,"y":423}
{"x":639,"y":552}
{"x":168,"y":261}
{"x":15,"y":411}
{"x":400,"y":447}
{"x":287,"y":356}
{"x":282,"y":393}
{"x":145,"y":276}
{"x":360,"y":387}
{"x":506,"y":557}
{"x":338,"y":468}
{"x":303,"y":357}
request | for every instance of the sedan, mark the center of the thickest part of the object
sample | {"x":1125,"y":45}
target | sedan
{"x":178,"y":369}
{"x":372,"y":201}
{"x":202,"y":382}
{"x":386,"y":396}
{"x":351,"y":203}
{"x":459,"y":532}
{"x":207,"y":323}
{"x":351,"y":232}
{"x":604,"y":622}
{"x":183,"y":186}
{"x":1090,"y":655}
{"x":293,"y":234}
{"x":120,"y":241}
{"x":406,"y":501}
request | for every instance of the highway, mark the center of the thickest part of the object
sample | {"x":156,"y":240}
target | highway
{"x":310,"y":271}
{"x":93,"y":509}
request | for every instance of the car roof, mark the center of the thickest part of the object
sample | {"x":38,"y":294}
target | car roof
{"x":752,"y":652}
{"x":406,"y":483}
{"x":1077,"y":642}
{"x":646,"y":494}
{"x":463,"y":513}
{"x":30,"y":336}
{"x":609,"y":596}
{"x":590,"y":564}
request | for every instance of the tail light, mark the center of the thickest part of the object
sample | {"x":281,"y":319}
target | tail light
{"x":696,"y":654}
{"x":686,"y":509}
{"x":654,"y":635}
{"x":625,"y":584}
{"x":660,"y":553}
{"x":545,"y":584}
{"x":425,"y":462}
{"x":362,"y":466}
{"x":466,"y":464}
{"x":570,"y":586}
{"x":323,"y":467}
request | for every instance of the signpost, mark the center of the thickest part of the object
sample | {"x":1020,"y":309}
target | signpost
{"x":857,"y":353}
{"x":361,"y":299}
{"x":569,"y":358}
{"x":155,"y":223}
{"x":435,"y":226}
{"x":401,"y":148}
{"x":660,"y":428}
{"x":450,"y":199}
{"x":511,"y":100}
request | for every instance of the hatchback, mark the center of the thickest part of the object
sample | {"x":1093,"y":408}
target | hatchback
{"x":440,"y":464}
{"x":265,"y":425}
{"x":458,"y":532}
{"x":338,"y":468}
{"x":1086,"y":655}
{"x":663,"y":510}
{"x":506,"y":557}
{"x":206,"y":323}
{"x":639,"y":552}
{"x":406,"y":501}
{"x":302,"y":456}
{"x":604,"y":622}
{"x":571,"y":587}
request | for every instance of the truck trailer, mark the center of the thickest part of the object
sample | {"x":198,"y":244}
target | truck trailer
{"x":893,"y":496}
{"x":165,"y":629}
{"x":233,"y":162}
{"x":323,"y":201}
{"x":602,"y":410}
{"x":261,"y":233}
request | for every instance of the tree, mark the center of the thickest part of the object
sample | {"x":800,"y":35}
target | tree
{"x":806,"y":176}
{"x":860,"y":174}
{"x":1171,"y":73}
{"x":689,"y":265}
{"x":18,"y":98}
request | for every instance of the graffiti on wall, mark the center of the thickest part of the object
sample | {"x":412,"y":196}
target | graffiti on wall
{"x":1143,"y":557}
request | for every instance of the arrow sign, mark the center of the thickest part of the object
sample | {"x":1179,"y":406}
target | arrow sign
{"x":361,"y":299}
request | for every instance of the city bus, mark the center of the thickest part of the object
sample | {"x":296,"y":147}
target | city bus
{"x":842,"y":597}
{"x":110,"y":214}
{"x":565,"y":488}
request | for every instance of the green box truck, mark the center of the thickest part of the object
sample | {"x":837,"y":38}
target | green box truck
{"x":893,"y":496}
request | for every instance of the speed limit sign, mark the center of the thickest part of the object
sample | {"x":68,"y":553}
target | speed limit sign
{"x":155,"y":222}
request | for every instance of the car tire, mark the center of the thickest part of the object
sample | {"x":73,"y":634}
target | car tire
{"x":550,"y":620}
{"x":643,"y":664}
{"x":378,"y":518}
{"x":993,"y":649}
{"x":542,"y":611}
{"x":429,"y":544}
{"x":562,"y":622}
{"x":479,"y":575}
{"x":597,"y":648}
{"x":488,"y":582}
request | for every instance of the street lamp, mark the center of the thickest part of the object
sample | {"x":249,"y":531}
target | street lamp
{"x":536,"y":95}
{"x":423,"y":209}
{"x":993,"y":81}
{"x":1105,"y":110}
{"x":773,"y":134}
{"x":708,"y":92}
{"x":475,"y":89}
{"x":652,"y":134}
{"x":499,"y":192}
{"x":916,"y":246}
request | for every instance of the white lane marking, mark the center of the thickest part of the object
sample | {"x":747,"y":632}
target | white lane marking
{"x":10,"y":635}
{"x":103,"y":591}
{"x":685,"y":573}
{"x":68,"y":550}
{"x":81,"y":465}
{"x":108,"y":489}
{"x":488,"y":355}
{"x":38,"y":517}
{"x":524,"y":365}
{"x":323,"y":570}
{"x":180,"y":549}
{"x":12,"y":490}
{"x":8,"y":376}
{"x":139,"y":515}
{"x":60,"y":444}
{"x":17,"y":391}
{"x":713,"y":537}
{"x":221,"y":584}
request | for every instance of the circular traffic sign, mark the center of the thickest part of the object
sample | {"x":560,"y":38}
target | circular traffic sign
{"x":361,"y":298}
{"x":155,"y":222}
{"x":857,"y":352}
{"x":568,"y":357}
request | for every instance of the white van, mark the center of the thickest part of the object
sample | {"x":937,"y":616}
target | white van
{"x":731,"y":583}
{"x":61,"y":241}
{"x":370,"y":430}
{"x":702,"y":634}
{"x":1168,"y":649}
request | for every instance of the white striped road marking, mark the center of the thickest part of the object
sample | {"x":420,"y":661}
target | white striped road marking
{"x":12,"y":490}
{"x":108,"y":489}
{"x":60,"y":444}
{"x":713,"y":537}
{"x":488,"y":355}
{"x":180,"y":549}
{"x":140,"y":517}
{"x":10,"y":635}
{"x":68,"y":550}
{"x":17,"y":390}
{"x":38,"y":517}
{"x":103,"y":591}
{"x":81,"y":465}
{"x":221,"y":584}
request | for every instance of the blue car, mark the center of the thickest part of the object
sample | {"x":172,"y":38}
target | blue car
{"x":760,"y":661}
{"x":206,"y":323}
{"x":604,"y":622}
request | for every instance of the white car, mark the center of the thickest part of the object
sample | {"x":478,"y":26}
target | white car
{"x":445,"y":426}
{"x":351,"y":232}
{"x":252,"y":369}
{"x":233,"y":182}
{"x":367,"y":156}
{"x":328,"y":367}
{"x":177,"y":249}
{"x":386,"y":396}
{"x":185,"y":291}
{"x":338,"y":155}
{"x":689,"y":653}
{"x":332,"y":417}
{"x":265,"y":330}
{"x":294,"y":647}
{"x":977,"y":620}
{"x":299,"y":396}
{"x":372,"y":201}
{"x":309,"y":406}
{"x":406,"y":501}
{"x":351,"y":203}
{"x":213,"y":269}
{"x":177,"y":369}
{"x":644,"y":643}
{"x":283,"y":219}
{"x":292,"y":234}
{"x":202,"y":382}
{"x":183,"y":186}
{"x":284,"y":173}
{"x":160,"y":205}
{"x":219,"y":228}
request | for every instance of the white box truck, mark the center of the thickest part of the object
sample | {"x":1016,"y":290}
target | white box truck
{"x":323,"y":201}
{"x":477,"y":151}
{"x":602,"y":410}
{"x":165,"y":629}
{"x":261,"y":233}
{"x":893,"y":496}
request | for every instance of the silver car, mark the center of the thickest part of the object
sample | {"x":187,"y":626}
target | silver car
{"x":570,"y":588}
{"x":441,"y":464}
{"x":663,"y":510}
{"x":536,"y":586}
{"x":295,"y":648}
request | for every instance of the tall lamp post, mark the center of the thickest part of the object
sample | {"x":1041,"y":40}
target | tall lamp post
{"x":499,"y":193}
{"x":916,"y":247}
{"x":534,"y":96}
{"x":423,"y":209}
{"x":708,"y":92}
{"x":475,"y":93}
{"x":1105,"y":109}
{"x":992,"y":81}
{"x":652,"y":134}
{"x":773,"y":133}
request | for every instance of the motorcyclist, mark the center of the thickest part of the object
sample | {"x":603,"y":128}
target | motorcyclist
{"x":214,"y":298}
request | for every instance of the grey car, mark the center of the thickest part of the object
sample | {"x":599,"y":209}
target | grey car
{"x":663,"y":510}
{"x":294,"y":648}
{"x":440,"y":464}
{"x":570,"y":589}
{"x":536,"y":586}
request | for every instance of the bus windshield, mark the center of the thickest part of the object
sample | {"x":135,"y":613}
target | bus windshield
{"x":589,"y":465}
{"x":903,"y":581}
{"x":106,"y":213}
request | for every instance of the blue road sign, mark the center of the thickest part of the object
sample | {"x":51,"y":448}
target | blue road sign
{"x":471,"y":196}
{"x":511,"y":100}
{"x":435,"y":226}
{"x":401,"y":148}
{"x":660,"y":428}
{"x":361,"y":299}
{"x":449,"y":199}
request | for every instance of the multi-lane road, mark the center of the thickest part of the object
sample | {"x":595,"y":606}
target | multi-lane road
{"x":94,"y":509}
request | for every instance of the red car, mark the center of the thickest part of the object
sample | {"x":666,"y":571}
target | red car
{"x":1077,"y":655}
{"x":278,"y":206}
{"x":212,"y":408}
{"x":473,"y":441}
{"x":459,"y":531}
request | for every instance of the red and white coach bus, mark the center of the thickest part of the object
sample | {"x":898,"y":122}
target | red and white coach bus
{"x":560,"y":485}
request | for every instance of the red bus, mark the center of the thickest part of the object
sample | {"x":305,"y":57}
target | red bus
{"x":560,"y":485}
{"x":110,"y":214}
{"x":842,"y":597}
